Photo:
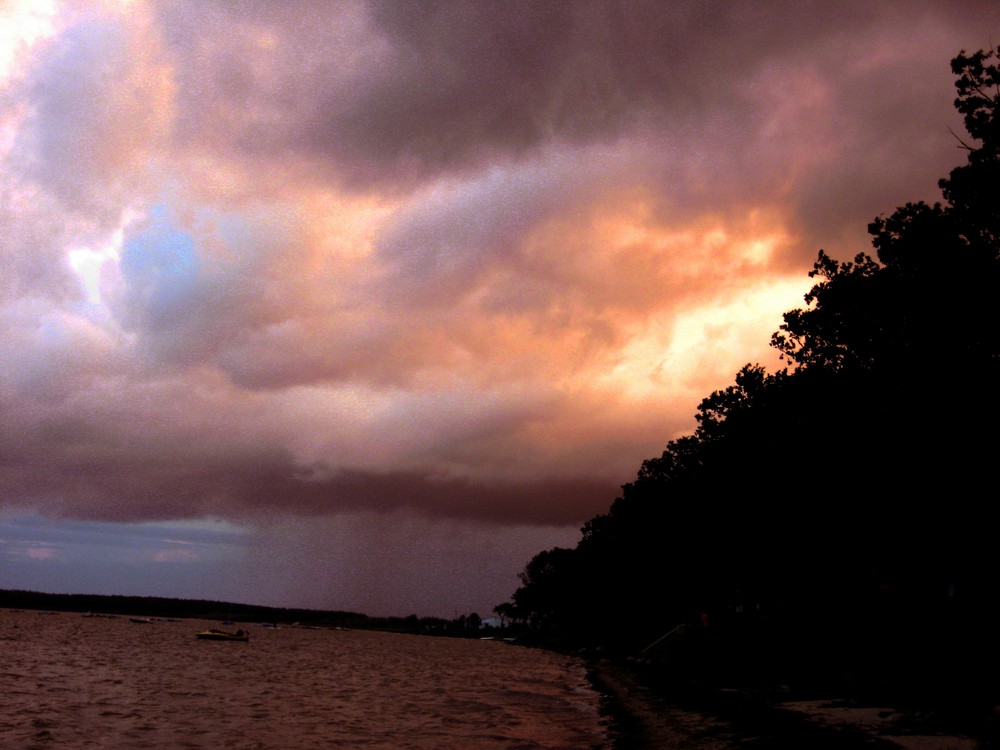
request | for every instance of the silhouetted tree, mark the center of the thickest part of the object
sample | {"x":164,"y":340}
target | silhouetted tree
{"x":913,"y":337}
{"x":506,"y":612}
{"x":548,"y":592}
{"x":841,"y":497}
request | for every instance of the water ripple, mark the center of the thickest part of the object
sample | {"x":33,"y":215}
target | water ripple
{"x":95,"y":683}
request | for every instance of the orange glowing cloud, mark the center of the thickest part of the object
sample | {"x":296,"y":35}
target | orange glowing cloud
{"x":474,"y":262}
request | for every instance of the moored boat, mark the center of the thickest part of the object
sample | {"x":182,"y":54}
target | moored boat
{"x":222,"y":635}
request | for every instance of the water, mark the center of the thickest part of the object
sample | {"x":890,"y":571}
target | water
{"x":68,"y":681}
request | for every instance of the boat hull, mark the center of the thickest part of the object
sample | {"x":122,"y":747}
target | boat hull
{"x":218,"y":635}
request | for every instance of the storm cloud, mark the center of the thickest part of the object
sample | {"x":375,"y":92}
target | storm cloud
{"x":463,"y":262}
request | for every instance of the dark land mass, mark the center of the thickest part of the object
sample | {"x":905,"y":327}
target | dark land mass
{"x":154,"y":606}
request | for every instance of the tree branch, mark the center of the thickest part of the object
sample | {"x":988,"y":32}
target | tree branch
{"x":962,"y":144}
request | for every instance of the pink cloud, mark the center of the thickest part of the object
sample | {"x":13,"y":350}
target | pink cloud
{"x":39,"y":553}
{"x":466,"y":260}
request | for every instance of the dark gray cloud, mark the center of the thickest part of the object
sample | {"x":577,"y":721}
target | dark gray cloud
{"x":802,"y":102}
{"x":114,"y":483}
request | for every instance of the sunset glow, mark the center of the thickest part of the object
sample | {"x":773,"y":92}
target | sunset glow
{"x":395,"y":291}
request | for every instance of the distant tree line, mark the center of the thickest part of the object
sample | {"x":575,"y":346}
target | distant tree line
{"x":470,"y":625}
{"x":831,"y":522}
{"x":154,"y":606}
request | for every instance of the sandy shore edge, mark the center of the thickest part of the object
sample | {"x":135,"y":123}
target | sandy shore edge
{"x":645,"y":713}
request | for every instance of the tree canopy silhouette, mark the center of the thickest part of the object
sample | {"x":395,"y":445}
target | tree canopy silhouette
{"x":840,"y":497}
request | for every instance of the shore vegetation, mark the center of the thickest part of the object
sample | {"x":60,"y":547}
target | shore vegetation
{"x":827,"y":528}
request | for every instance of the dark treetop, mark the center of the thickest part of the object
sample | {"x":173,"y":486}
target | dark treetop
{"x":830,"y":522}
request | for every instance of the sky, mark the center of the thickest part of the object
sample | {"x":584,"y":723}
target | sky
{"x":360,"y":305}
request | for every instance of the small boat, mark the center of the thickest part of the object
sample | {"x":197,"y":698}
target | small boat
{"x":140,"y":620}
{"x":222,"y":635}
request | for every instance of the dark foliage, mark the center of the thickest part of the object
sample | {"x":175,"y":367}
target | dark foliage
{"x":831,"y":522}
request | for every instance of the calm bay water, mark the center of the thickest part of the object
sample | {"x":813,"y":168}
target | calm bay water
{"x":68,"y":681}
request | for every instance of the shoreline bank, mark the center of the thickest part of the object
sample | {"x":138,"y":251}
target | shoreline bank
{"x":646,"y":713}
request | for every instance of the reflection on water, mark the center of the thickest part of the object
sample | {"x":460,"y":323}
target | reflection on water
{"x":70,"y":681}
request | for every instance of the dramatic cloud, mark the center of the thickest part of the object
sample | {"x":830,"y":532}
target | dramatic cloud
{"x":424,"y":274}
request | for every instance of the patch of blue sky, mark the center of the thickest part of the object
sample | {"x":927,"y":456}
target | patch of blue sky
{"x":183,"y":559}
{"x":36,"y":537}
{"x":160,"y":265}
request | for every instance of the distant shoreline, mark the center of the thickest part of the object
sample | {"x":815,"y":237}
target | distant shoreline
{"x":201,"y":609}
{"x":156,"y":606}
